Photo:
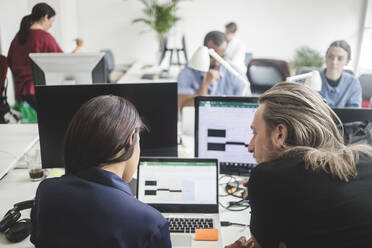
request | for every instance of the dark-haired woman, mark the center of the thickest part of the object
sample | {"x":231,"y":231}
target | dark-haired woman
{"x":32,"y":37}
{"x":92,"y":205}
{"x":339,"y":88}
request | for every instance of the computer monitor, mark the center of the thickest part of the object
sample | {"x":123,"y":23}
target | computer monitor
{"x":67,"y":68}
{"x":223,"y":131}
{"x":353,"y":114}
{"x":155,"y":102}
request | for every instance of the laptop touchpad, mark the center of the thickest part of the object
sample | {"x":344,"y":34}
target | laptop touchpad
{"x":181,"y":240}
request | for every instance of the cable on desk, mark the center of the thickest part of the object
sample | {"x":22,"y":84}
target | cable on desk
{"x":242,"y":204}
{"x":232,"y":188}
{"x":228,"y":223}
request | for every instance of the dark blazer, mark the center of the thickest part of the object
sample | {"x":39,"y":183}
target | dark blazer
{"x":94,"y":208}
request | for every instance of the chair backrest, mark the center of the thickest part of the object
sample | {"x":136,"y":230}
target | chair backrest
{"x":3,"y":72}
{"x":109,"y":63}
{"x":264,"y":73}
{"x":366,"y":83}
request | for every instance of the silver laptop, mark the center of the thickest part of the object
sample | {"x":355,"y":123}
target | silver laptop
{"x":185,"y":191}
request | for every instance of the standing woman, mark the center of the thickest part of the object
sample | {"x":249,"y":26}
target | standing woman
{"x":32,"y":37}
{"x":339,"y":88}
{"x":92,"y":205}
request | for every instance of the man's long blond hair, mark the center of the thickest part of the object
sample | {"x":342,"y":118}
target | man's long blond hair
{"x":312,"y":131}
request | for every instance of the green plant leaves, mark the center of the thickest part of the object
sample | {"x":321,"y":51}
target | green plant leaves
{"x":160,"y":17}
{"x":306,"y":56}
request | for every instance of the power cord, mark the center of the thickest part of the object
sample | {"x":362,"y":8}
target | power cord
{"x":228,"y":223}
{"x":232,"y":188}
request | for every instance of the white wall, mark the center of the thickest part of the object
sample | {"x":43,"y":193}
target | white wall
{"x":270,"y":28}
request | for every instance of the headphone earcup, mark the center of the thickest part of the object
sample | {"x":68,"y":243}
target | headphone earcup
{"x":9,"y":219}
{"x":19,"y":231}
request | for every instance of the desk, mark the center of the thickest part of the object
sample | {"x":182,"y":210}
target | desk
{"x":15,"y":140}
{"x":136,"y":71}
{"x":17,"y":186}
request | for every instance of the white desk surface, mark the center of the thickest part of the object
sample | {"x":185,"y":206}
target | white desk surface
{"x":136,"y":71}
{"x":16,"y":186}
{"x":15,"y":140}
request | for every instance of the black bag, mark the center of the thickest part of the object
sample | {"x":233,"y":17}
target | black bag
{"x":357,"y":132}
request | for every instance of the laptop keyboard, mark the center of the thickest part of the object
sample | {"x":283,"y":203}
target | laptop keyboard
{"x":188,"y":225}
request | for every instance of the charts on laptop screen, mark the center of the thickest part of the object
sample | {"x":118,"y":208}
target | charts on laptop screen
{"x":223,"y":131}
{"x":177,"y":182}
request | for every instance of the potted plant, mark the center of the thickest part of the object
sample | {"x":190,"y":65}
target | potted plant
{"x":160,"y":17}
{"x":307,"y":57}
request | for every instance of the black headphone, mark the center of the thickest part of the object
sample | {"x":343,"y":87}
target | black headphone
{"x":16,"y":230}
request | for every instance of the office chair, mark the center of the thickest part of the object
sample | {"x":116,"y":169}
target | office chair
{"x":177,"y":50}
{"x":366,"y":83}
{"x":4,"y":106}
{"x":109,"y":63}
{"x":264,"y":73}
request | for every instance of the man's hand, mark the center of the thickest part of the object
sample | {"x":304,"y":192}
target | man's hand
{"x":212,"y":75}
{"x":79,"y":42}
{"x":242,"y":242}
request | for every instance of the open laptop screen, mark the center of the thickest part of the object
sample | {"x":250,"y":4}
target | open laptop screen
{"x":178,"y":185}
{"x":223,"y":131}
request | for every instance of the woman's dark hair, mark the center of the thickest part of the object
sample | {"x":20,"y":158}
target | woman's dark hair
{"x":342,"y":44}
{"x":99,"y":131}
{"x":38,"y":11}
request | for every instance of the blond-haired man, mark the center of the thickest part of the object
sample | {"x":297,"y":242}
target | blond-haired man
{"x":309,"y":189}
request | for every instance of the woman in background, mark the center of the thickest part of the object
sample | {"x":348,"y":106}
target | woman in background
{"x":339,"y":88}
{"x":32,"y":37}
{"x":92,"y":205}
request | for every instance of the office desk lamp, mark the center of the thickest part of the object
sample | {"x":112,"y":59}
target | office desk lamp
{"x":312,"y":78}
{"x":200,"y":61}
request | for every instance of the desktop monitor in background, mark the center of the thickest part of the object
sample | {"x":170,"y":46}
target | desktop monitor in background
{"x":353,"y":114}
{"x":67,"y":68}
{"x":155,"y":102}
{"x":223,"y":131}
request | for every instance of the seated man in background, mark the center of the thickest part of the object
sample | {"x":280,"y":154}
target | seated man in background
{"x":217,"y":81}
{"x":340,"y":89}
{"x":235,"y":52}
{"x":309,"y":189}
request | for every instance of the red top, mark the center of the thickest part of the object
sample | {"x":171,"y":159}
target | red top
{"x":39,"y":41}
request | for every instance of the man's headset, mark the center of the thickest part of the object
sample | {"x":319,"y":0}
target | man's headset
{"x":16,"y":230}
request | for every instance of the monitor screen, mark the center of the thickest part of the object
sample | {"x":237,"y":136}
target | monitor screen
{"x":165,"y":182}
{"x":67,"y":68}
{"x":155,"y":102}
{"x":223,"y":131}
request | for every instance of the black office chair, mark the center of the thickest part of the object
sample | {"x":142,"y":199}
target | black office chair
{"x":177,"y":50}
{"x":366,"y":83}
{"x":356,"y":124}
{"x":264,"y":73}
